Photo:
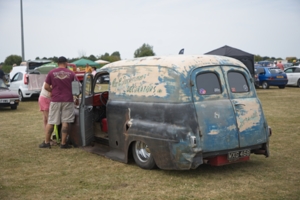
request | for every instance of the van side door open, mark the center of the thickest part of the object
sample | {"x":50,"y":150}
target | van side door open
{"x":86,"y":111}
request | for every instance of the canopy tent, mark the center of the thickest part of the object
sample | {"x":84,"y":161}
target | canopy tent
{"x":82,"y":63}
{"x":101,"y":61}
{"x":246,"y":58}
{"x":46,"y":68}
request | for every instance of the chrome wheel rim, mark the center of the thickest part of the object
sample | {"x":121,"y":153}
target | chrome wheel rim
{"x":142,"y":151}
{"x":264,"y":85}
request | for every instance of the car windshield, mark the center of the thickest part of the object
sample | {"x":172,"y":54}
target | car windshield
{"x":2,"y":84}
{"x":275,"y":71}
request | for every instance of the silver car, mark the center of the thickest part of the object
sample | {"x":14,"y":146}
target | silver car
{"x":293,"y":74}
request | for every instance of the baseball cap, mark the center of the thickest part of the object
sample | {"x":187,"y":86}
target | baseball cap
{"x":62,"y":59}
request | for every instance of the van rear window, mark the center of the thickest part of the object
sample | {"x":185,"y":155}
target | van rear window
{"x":237,"y":82}
{"x":208,"y":83}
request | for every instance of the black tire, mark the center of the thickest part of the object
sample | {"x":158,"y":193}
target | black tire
{"x":21,"y":98}
{"x":265,"y":85}
{"x":13,"y":107}
{"x":142,"y":155}
{"x":298,"y":83}
{"x":281,"y":86}
{"x":256,"y":87}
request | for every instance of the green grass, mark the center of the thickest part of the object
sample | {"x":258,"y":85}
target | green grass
{"x":27,"y":172}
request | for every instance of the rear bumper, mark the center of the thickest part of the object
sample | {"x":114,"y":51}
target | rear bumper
{"x":274,"y":82}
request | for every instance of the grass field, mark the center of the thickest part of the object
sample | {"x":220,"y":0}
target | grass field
{"x":27,"y":172}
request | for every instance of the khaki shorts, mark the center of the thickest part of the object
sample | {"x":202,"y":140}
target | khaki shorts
{"x":60,"y":112}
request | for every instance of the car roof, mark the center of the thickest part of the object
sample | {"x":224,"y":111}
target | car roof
{"x":180,"y":63}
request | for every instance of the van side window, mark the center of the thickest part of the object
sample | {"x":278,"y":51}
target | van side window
{"x":102,"y":84}
{"x":208,"y":83}
{"x":237,"y":82}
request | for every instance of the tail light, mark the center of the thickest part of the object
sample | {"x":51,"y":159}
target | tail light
{"x":25,"y":79}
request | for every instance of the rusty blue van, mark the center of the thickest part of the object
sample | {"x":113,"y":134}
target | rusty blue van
{"x":172,"y":112}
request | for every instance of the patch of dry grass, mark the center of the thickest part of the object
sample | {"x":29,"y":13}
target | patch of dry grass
{"x":27,"y":172}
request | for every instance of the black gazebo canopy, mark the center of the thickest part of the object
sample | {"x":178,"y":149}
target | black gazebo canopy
{"x":246,"y":58}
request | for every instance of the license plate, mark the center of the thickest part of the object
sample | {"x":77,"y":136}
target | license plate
{"x":279,"y":76}
{"x":235,"y":155}
{"x":4,"y":100}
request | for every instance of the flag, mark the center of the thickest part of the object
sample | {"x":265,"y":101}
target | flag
{"x":181,"y":51}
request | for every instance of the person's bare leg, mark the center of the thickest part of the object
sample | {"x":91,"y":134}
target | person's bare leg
{"x":48,"y":132}
{"x":64,"y":132}
{"x":45,"y":118}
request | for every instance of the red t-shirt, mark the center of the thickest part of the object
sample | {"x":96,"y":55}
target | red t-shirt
{"x":61,"y":81}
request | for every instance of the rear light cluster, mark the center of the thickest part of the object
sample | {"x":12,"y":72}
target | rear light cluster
{"x":25,"y":78}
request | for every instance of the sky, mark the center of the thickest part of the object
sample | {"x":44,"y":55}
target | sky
{"x":73,"y":28}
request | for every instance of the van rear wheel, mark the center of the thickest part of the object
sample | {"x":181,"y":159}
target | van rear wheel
{"x":298,"y":83}
{"x":265,"y":85}
{"x":142,"y":155}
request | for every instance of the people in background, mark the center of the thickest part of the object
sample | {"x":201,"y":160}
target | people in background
{"x":61,"y":110}
{"x":94,"y":71}
{"x":280,"y":65}
{"x":2,"y":74}
{"x":88,"y":69}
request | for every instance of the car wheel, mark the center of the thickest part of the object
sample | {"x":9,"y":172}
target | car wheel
{"x":256,"y":87}
{"x":298,"y":83}
{"x":21,"y":98}
{"x":13,"y":107}
{"x":265,"y":85}
{"x":281,"y":86}
{"x":142,"y":155}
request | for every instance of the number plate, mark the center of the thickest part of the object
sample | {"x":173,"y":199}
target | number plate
{"x":279,"y":76}
{"x":4,"y":100}
{"x":235,"y":155}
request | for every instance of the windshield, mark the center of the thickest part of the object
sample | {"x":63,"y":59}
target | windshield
{"x":2,"y":84}
{"x":275,"y":71}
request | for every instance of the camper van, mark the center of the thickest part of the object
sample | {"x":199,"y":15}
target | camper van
{"x":171,"y":112}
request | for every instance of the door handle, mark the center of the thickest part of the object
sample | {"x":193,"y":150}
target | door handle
{"x":239,"y":104}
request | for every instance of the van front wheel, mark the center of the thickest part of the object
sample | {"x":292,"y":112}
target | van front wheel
{"x":142,"y":155}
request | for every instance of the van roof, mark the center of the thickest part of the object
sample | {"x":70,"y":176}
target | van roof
{"x":180,"y":63}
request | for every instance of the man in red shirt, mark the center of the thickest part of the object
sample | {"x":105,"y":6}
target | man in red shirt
{"x":280,"y":65}
{"x":61,"y":111}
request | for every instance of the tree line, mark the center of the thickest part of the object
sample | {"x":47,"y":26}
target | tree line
{"x":144,"y":50}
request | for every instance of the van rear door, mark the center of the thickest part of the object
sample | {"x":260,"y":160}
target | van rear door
{"x":216,"y":116}
{"x":249,"y":115}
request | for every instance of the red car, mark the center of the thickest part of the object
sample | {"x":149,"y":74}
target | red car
{"x":8,"y":98}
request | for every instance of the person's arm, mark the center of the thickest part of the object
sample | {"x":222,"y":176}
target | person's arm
{"x":48,"y":87}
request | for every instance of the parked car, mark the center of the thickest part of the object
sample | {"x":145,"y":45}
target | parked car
{"x":174,"y":112}
{"x":19,"y":83}
{"x":270,"y":76}
{"x":293,"y":74}
{"x":8,"y":98}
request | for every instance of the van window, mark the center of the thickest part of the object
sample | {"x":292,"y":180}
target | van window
{"x":208,"y":83}
{"x":237,"y":82}
{"x":102,"y":84}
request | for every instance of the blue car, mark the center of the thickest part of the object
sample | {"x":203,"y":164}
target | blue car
{"x":270,"y":76}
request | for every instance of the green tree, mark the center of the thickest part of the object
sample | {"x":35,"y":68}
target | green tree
{"x":257,"y":58}
{"x":92,"y":57}
{"x":144,"y":50}
{"x":13,"y":59}
{"x":37,"y":58}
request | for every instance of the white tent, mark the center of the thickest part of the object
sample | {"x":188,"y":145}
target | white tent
{"x":101,"y":61}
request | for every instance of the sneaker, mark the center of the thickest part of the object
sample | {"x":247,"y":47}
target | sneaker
{"x":44,"y":145}
{"x":65,"y":146}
